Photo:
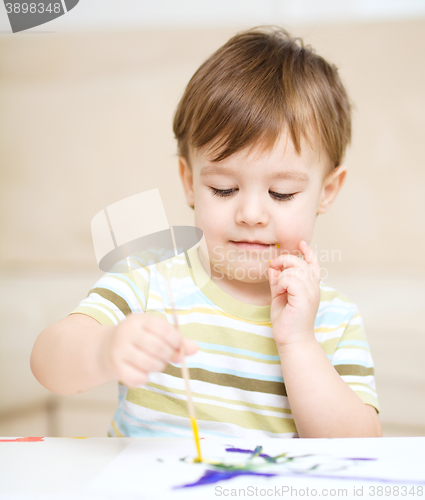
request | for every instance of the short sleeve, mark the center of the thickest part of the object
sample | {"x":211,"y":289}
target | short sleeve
{"x":353,"y":361}
{"x":116,"y":295}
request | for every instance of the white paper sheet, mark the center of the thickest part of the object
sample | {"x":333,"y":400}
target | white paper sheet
{"x":152,"y":468}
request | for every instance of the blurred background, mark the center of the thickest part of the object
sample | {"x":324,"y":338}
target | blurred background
{"x":86,"y":109}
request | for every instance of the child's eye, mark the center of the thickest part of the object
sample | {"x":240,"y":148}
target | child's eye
{"x":281,"y":196}
{"x":223,"y":192}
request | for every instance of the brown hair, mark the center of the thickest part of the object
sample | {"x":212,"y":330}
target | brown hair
{"x":260,"y":81}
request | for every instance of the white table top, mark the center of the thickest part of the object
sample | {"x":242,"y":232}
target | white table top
{"x":130,"y":468}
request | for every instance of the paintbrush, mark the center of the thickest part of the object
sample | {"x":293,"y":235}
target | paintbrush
{"x":185,"y":371}
{"x":185,"y":374}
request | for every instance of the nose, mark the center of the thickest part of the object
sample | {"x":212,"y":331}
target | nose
{"x":251,"y":211}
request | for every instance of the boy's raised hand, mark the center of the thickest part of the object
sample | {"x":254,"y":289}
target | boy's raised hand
{"x":141,"y":344}
{"x":295,"y":290}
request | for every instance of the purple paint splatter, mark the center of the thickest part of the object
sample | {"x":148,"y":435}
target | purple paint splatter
{"x":229,"y":472}
{"x":255,"y":453}
{"x":213,"y":476}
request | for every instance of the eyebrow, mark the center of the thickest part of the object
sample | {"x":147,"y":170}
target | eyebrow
{"x":214,"y":169}
{"x":292,"y":176}
{"x":282,"y":174}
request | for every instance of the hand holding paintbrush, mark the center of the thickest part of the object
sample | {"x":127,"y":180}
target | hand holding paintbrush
{"x":144,"y":343}
{"x":140,"y":344}
{"x":129,"y":355}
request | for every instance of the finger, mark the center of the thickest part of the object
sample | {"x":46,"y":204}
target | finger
{"x":132,"y":376}
{"x":310,"y":257}
{"x":274,"y":280}
{"x":189,"y":347}
{"x":144,"y":361}
{"x":273,"y":275}
{"x":286,"y":260}
{"x":154,"y":345}
{"x":305,"y":274}
{"x":290,"y":284}
{"x":162,"y":328}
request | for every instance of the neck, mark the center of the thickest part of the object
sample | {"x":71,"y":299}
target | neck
{"x":254,"y":293}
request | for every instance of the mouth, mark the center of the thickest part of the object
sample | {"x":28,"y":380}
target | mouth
{"x":253,"y":245}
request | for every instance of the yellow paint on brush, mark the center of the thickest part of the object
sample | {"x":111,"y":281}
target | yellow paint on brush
{"x":277,"y":244}
{"x":194,"y":424}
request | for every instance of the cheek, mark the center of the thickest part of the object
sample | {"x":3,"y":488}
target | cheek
{"x":209,"y":218}
{"x":297,"y":226}
{"x":213,"y":233}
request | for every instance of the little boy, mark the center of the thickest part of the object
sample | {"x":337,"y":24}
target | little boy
{"x":262,"y":129}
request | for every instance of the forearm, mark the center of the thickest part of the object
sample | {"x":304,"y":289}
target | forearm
{"x":65,"y":357}
{"x":322,"y":404}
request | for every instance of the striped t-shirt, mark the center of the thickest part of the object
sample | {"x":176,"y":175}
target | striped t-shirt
{"x":236,"y":376}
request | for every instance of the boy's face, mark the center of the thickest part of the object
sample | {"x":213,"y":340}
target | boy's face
{"x":250,"y":202}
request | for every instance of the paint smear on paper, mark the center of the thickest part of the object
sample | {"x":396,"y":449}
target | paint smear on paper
{"x":256,"y":459}
{"x":214,"y":476}
{"x":23,"y":440}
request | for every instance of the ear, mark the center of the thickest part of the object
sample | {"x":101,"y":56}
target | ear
{"x":186,"y":177}
{"x":331,"y":187}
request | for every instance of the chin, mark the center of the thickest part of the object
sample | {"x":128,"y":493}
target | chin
{"x":249,"y":275}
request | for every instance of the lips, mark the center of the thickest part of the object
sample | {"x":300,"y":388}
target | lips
{"x":251,"y":244}
{"x":254,"y":242}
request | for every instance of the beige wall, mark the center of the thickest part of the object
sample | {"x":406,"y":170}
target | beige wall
{"x":86,"y":121}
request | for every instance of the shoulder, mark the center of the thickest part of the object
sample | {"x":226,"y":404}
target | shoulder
{"x":338,"y":316}
{"x":334,"y":300}
{"x":336,"y":310}
{"x":328,"y":294}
